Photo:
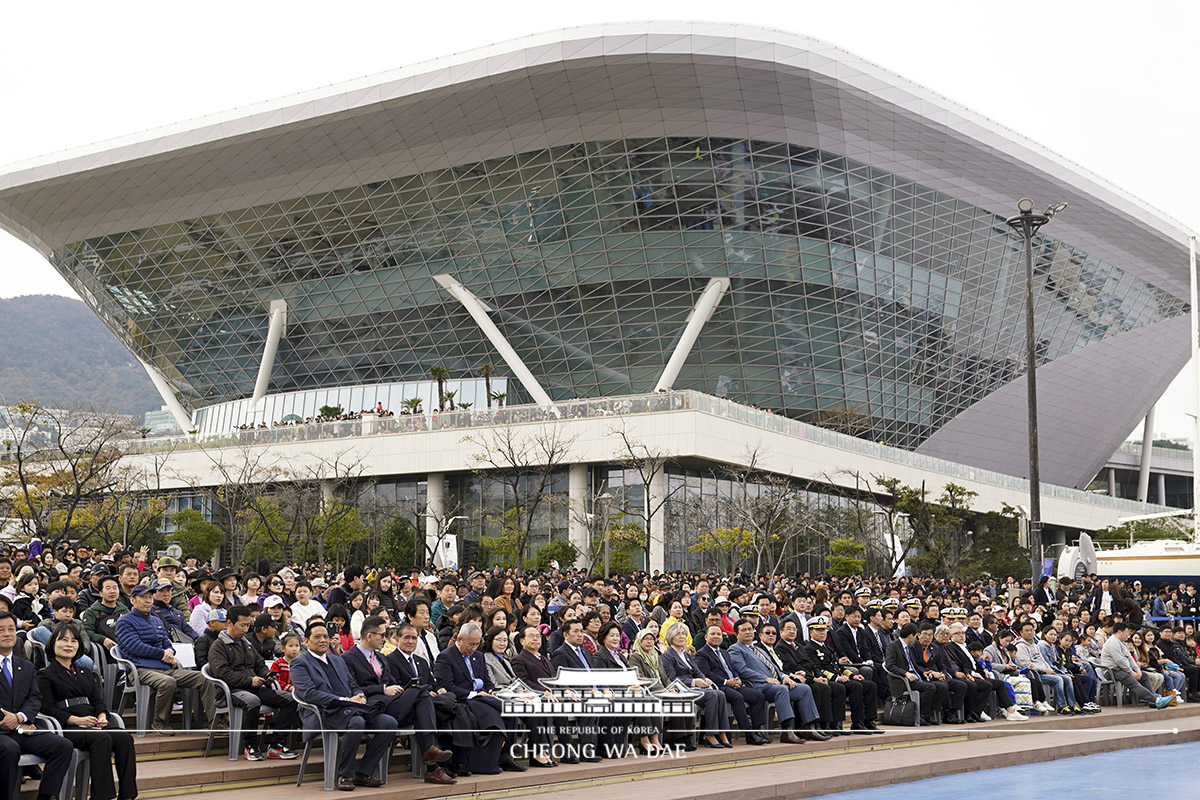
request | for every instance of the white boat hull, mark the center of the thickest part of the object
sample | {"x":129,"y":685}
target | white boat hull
{"x":1150,"y":562}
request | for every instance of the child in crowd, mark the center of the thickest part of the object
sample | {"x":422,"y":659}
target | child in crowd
{"x":281,"y":665}
{"x":63,"y":609}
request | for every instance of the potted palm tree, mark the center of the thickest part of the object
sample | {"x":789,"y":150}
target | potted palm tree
{"x":441,"y":375}
{"x":450,"y":398}
{"x":486,"y":372}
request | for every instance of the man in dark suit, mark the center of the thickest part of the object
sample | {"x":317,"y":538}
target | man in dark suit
{"x":748,"y":704}
{"x":571,"y":655}
{"x":409,"y":704}
{"x":899,"y":664}
{"x":961,"y":667}
{"x":851,"y":645}
{"x":461,"y":671}
{"x":977,"y":628}
{"x":323,"y":679}
{"x":531,"y":668}
{"x":931,"y":666}
{"x":875,"y":642}
{"x":20,"y":703}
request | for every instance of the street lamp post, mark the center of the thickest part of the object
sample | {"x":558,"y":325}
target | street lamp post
{"x":1027,"y":224}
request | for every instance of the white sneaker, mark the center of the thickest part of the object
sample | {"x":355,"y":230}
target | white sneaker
{"x":983,"y":716}
{"x":1016,"y":716}
{"x":1043,"y":707}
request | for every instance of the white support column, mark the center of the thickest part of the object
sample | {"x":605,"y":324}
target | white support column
{"x":705,"y":306}
{"x":435,"y":503}
{"x":1112,"y":481}
{"x":1162,"y":488}
{"x":479,"y":312}
{"x":658,"y":522}
{"x":182,"y":418}
{"x":578,"y":529}
{"x":276,"y":328}
{"x":1143,"y":492}
{"x":326,"y":494}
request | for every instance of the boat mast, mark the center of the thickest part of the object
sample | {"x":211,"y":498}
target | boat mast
{"x":1195,"y":395}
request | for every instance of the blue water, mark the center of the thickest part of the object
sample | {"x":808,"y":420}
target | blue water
{"x":1152,"y":771}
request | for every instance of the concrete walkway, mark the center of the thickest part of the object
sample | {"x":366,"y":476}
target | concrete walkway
{"x":774,"y":772}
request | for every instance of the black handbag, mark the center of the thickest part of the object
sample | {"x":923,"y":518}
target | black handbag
{"x":900,"y":710}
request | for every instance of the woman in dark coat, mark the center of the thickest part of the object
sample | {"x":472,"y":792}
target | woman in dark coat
{"x":72,"y":696}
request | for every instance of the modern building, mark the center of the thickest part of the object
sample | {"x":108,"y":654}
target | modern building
{"x":161,"y":422}
{"x":1165,"y":477}
{"x":613,"y":210}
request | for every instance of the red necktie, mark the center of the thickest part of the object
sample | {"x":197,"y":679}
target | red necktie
{"x":375,"y":665}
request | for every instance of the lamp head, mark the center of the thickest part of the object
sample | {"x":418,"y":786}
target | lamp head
{"x":1054,"y":208}
{"x":1025,"y":205}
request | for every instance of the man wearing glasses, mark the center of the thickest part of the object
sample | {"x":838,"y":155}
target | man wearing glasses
{"x":408,"y":702}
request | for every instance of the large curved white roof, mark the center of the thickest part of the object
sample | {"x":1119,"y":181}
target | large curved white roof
{"x":588,"y":83}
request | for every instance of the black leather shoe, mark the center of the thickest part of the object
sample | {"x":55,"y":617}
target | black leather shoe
{"x":816,"y":736}
{"x":533,"y":762}
{"x":367,"y":780}
{"x":570,"y":760}
{"x":458,"y":770}
{"x":345,"y":784}
{"x":508,"y":765}
{"x":592,"y":759}
{"x":870,"y":725}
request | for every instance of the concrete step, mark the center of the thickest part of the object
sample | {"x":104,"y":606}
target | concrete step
{"x":173,"y":767}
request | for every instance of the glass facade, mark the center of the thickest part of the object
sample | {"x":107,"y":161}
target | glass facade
{"x":296,"y":407}
{"x":852,"y":290}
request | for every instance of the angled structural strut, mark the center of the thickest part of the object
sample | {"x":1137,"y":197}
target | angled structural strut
{"x":479,"y":312}
{"x":705,"y":306}
{"x":182,"y":417}
{"x":277,"y":326}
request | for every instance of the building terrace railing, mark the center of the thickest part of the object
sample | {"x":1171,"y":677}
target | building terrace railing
{"x":657,"y":403}
{"x":1135,"y":449}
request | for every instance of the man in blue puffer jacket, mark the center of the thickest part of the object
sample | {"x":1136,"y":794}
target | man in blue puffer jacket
{"x":143,"y":639}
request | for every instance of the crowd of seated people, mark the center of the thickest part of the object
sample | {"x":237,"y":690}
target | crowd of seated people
{"x":375,"y":651}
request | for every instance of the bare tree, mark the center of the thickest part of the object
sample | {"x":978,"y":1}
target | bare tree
{"x":243,"y":474}
{"x":338,"y":479}
{"x":774,"y":508}
{"x":649,"y":466}
{"x":525,"y":460}
{"x":61,"y":461}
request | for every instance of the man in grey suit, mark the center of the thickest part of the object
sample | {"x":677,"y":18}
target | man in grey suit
{"x":756,"y":668}
{"x":323,"y":679}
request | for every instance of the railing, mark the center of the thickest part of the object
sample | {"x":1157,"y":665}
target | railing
{"x":1135,"y":449}
{"x":663,"y":402}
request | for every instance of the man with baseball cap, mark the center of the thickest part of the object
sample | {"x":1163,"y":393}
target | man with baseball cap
{"x":167,"y":569}
{"x":144,"y":641}
{"x":478,"y":586}
{"x":172,"y":617}
{"x":264,"y":639}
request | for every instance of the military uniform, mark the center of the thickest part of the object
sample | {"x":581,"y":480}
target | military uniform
{"x":861,"y":693}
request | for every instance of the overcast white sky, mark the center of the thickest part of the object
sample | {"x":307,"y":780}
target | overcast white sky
{"x":1110,"y":85}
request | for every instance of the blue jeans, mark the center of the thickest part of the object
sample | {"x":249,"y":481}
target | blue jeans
{"x":1055,"y":682}
{"x":1176,"y":681}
